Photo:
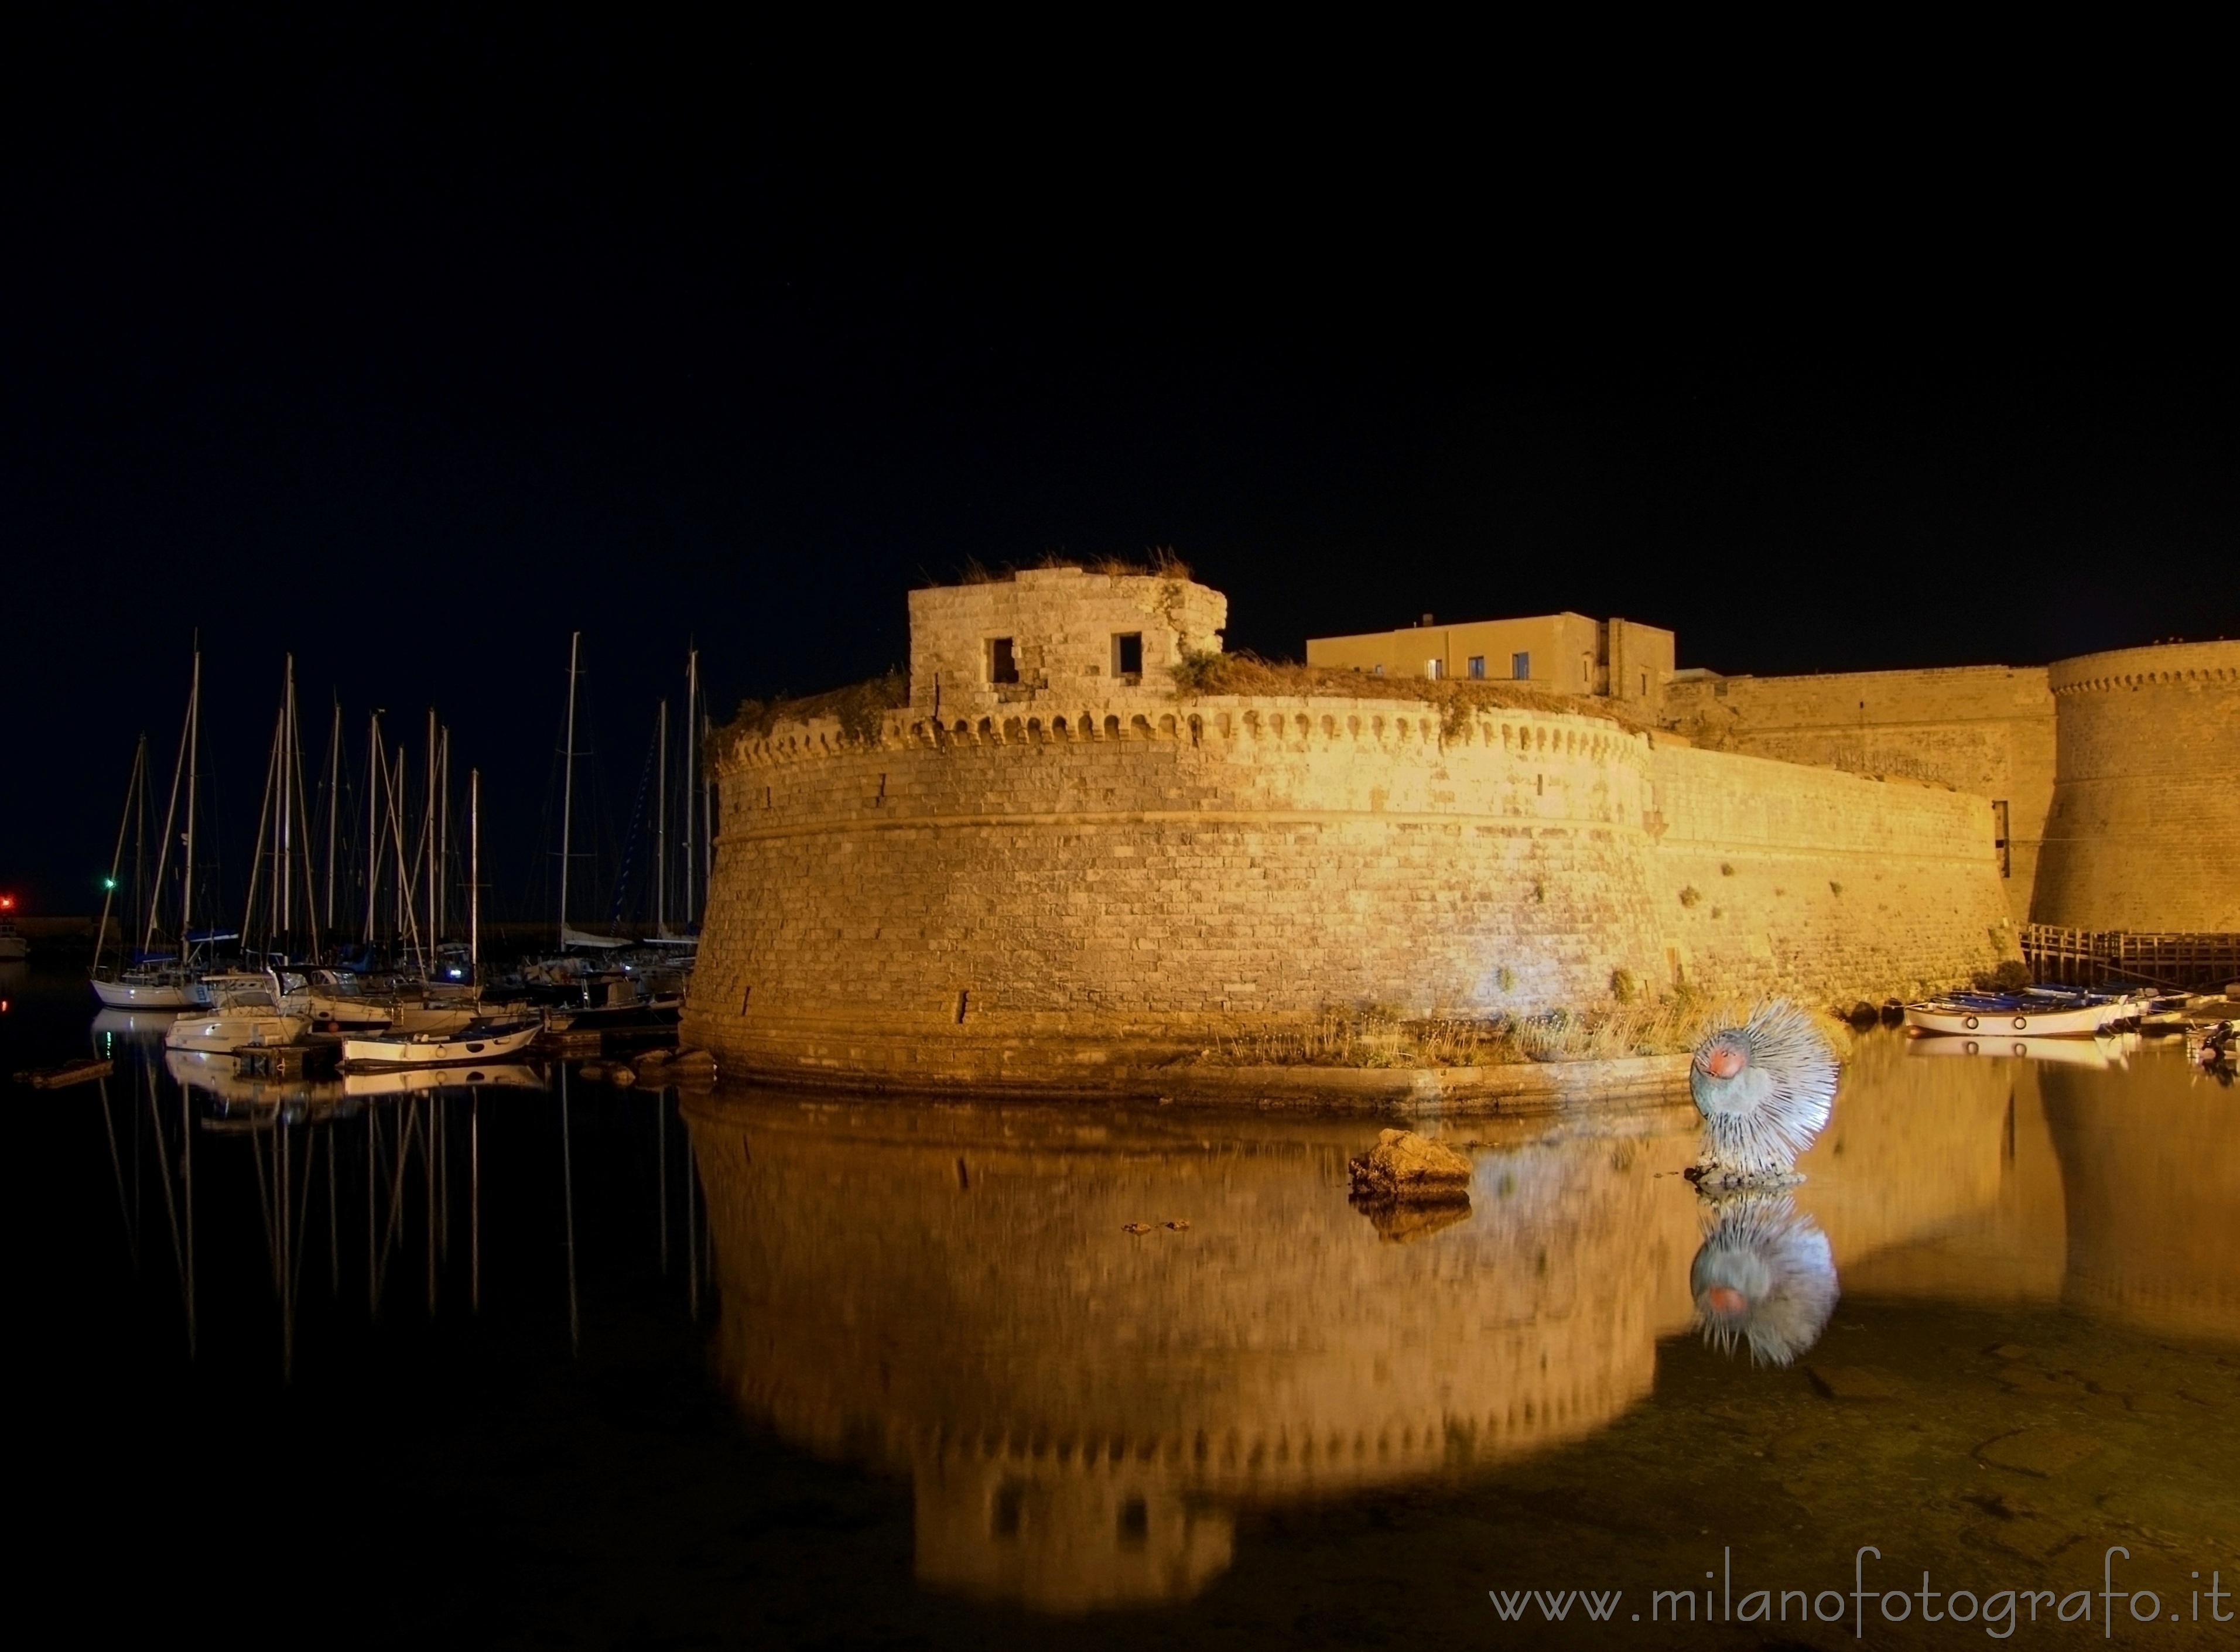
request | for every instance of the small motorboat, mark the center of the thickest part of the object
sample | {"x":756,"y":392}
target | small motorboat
{"x":476,"y":1044}
{"x":2041,"y":1012}
{"x":246,"y":1012}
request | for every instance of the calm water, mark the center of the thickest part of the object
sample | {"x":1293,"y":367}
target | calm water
{"x":575,"y":1365}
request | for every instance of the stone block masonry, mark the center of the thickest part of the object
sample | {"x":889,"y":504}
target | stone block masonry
{"x":2144,"y":828}
{"x":1072,"y":882}
{"x":1984,"y":728}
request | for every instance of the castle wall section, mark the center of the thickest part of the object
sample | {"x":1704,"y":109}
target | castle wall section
{"x":1074,"y":900}
{"x":1773,"y":877}
{"x":2145,"y":828}
{"x":1987,"y":729}
{"x":1051,"y":898}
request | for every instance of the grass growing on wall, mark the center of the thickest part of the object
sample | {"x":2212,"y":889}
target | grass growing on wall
{"x":1245,"y":674}
{"x":859,"y":707}
{"x":1374,"y":1035}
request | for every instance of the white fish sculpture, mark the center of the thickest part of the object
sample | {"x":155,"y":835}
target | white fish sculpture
{"x":1765,"y":1089}
{"x":1764,"y":1277}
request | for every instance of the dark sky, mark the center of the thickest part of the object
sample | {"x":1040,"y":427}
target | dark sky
{"x":412,"y":346}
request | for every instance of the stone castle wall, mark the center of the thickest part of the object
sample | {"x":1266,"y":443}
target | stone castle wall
{"x":1067,"y":886}
{"x":1987,"y":729}
{"x":2145,"y":828}
{"x":1773,"y":877}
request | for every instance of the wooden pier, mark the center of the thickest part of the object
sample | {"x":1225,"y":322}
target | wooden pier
{"x":2162,"y":959}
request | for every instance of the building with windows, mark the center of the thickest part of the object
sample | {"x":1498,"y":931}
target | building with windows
{"x":1054,"y":862}
{"x":1616,"y":659}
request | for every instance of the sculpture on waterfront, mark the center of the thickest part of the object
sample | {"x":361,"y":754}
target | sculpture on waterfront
{"x":1765,"y":1089}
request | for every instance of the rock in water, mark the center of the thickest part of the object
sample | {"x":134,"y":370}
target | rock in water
{"x":1764,"y":1277}
{"x":1764,"y":1089}
{"x":1405,"y":1166}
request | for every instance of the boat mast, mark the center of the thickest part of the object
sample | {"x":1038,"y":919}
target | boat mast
{"x":194,"y":762}
{"x":303,"y":819}
{"x":283,"y":840}
{"x":434,"y":865}
{"x":256,"y":853}
{"x":170,"y":813}
{"x":373,"y":771}
{"x":116,"y":859}
{"x":692,"y":700}
{"x":661,"y":824}
{"x":475,"y":878}
{"x":442,"y":833}
{"x":568,"y":786}
{"x":333,"y":802}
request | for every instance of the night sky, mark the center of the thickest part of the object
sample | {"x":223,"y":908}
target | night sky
{"x":411,"y":347}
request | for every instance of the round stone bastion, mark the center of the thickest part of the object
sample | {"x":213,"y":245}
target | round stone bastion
{"x":2144,"y":830}
{"x":1081,"y":851}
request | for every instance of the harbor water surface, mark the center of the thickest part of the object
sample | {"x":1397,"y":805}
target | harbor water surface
{"x":560,"y":1363}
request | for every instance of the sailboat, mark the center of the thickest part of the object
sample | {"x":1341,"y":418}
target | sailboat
{"x":160,"y":978}
{"x":663,"y":935}
{"x":573,"y":937}
{"x":478,"y":1041}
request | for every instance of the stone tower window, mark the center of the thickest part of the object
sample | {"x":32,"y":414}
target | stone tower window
{"x":1003,"y":662}
{"x":1433,"y":668}
{"x":1128,"y":654}
{"x":1520,"y":667}
{"x":1478,"y":665}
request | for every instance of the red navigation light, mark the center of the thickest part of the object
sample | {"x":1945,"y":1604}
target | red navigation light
{"x":7,"y":903}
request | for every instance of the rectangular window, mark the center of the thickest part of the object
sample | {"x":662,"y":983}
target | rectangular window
{"x":1645,"y":685}
{"x":1431,"y":668}
{"x":1478,"y":665}
{"x":1128,"y":654}
{"x":1587,"y":671}
{"x":1379,"y":670}
{"x":1999,"y":838}
{"x":1003,"y":663}
{"x":1520,"y":667}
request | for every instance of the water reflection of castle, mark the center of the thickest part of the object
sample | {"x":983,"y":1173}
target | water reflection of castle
{"x":950,"y":1291}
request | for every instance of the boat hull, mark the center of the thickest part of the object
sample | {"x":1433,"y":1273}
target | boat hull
{"x":1961,"y":1021}
{"x":460,"y":1049}
{"x":222,"y":1035}
{"x":148,"y":995}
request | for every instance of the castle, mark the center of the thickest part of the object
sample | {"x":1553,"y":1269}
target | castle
{"x":2115,"y":777}
{"x":1058,"y":866}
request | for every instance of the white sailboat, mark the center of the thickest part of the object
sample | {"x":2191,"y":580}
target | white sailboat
{"x":474,"y":1040}
{"x":152,"y":978}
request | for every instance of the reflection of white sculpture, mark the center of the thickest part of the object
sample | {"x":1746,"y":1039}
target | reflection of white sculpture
{"x":1765,"y":1277}
{"x":1764,"y":1089}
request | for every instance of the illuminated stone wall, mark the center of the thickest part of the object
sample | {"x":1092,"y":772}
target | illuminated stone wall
{"x":1988,"y":729}
{"x":1069,"y":881}
{"x":2144,"y":832}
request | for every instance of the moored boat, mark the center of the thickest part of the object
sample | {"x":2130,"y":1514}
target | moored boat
{"x":473,"y":1045}
{"x":2038,"y":1013}
{"x":246,"y":1012}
